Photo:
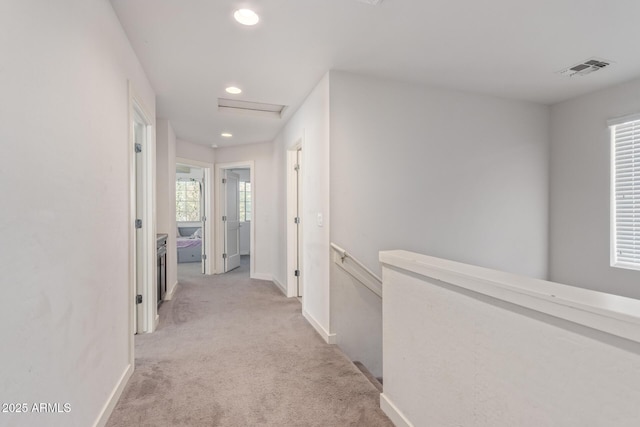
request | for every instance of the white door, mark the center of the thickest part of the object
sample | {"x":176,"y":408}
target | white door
{"x":232,"y":222}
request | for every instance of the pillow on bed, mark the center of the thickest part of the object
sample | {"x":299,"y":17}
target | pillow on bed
{"x":197,"y":234}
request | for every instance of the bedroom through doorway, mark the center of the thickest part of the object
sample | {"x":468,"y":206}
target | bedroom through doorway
{"x":193,"y":233}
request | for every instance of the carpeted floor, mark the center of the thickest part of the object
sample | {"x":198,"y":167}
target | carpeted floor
{"x":231,"y":351}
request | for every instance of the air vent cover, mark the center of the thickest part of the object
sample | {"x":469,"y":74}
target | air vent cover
{"x":585,"y":67}
{"x":253,"y":108}
{"x":371,"y":2}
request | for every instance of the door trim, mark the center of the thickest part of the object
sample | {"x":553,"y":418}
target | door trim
{"x":208,"y":237}
{"x":219,"y":208}
{"x":292,"y":245}
{"x":148,"y":253}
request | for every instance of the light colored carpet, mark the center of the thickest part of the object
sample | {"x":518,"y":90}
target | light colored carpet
{"x":231,"y":351}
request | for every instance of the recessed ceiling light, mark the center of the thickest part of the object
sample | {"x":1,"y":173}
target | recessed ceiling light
{"x":226,"y":135}
{"x":214,"y":146}
{"x":233,"y":90}
{"x":246,"y":16}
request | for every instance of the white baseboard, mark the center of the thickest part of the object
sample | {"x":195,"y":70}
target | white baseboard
{"x":169,"y":295}
{"x":280,"y":286}
{"x":394,"y":414}
{"x":262,"y":276}
{"x":329,"y":338}
{"x":110,"y":405}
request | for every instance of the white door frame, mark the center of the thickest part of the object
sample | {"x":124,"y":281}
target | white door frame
{"x":208,"y":231}
{"x":292,"y":210}
{"x":148,"y":254}
{"x":219,"y":209}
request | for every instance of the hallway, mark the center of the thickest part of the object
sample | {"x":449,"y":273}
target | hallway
{"x":231,"y":351}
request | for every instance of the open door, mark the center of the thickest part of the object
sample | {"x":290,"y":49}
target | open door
{"x":231,"y":222}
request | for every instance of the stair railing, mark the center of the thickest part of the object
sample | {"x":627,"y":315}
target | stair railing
{"x":356,"y":269}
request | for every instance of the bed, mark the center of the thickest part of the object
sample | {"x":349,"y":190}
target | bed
{"x":189,"y":244}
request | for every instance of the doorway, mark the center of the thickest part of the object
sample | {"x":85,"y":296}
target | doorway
{"x":193,"y":214}
{"x":143,"y":261}
{"x":235,"y":213}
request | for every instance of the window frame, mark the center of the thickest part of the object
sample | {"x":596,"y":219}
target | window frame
{"x":243,"y":201}
{"x":614,"y":124}
{"x":186,"y":201}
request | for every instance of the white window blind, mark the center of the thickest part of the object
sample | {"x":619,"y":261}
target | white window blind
{"x":625,"y":251}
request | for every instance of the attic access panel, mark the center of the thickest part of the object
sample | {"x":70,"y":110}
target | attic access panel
{"x":253,"y":108}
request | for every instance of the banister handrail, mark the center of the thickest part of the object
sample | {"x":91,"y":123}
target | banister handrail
{"x":343,"y":254}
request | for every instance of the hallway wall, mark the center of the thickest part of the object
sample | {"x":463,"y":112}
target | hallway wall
{"x":64,"y":116}
{"x":166,"y":195}
{"x":441,"y":172}
{"x":310,"y":124}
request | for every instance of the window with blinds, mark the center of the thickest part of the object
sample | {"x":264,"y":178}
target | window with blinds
{"x":625,"y":204}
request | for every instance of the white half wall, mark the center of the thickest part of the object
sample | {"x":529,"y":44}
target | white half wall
{"x":580,"y":188}
{"x":470,"y":346}
{"x":166,"y":195}
{"x":264,"y":213}
{"x":442,"y":172}
{"x":64,"y":116}
{"x":309,"y":125}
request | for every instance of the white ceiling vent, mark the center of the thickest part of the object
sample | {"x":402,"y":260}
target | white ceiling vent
{"x":585,"y":67}
{"x":252,"y":108}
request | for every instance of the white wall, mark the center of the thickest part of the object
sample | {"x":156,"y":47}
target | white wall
{"x":243,"y":174}
{"x":166,"y":195}
{"x":264,"y":214}
{"x":468,"y":346}
{"x":441,"y":172}
{"x":196,"y":173}
{"x":311,"y":124}
{"x":64,"y":114}
{"x":579,"y":192}
{"x":451,"y":174}
{"x":198,"y":152}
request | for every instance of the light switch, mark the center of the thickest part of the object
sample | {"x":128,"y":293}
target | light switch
{"x":320,"y":220}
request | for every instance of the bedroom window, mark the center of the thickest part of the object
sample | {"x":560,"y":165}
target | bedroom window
{"x":245,"y":201}
{"x":188,"y":201}
{"x":625,"y":192}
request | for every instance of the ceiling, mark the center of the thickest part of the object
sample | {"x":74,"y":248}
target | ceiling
{"x":193,"y":49}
